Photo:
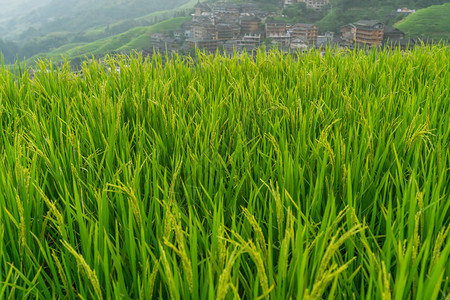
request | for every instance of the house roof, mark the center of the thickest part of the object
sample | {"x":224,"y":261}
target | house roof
{"x":347,"y":25}
{"x":276,"y":22}
{"x":201,"y":5}
{"x":226,"y":5}
{"x":299,"y":40}
{"x":250,"y":18}
{"x":368,"y":23}
{"x":303,"y":26}
{"x":400,"y":42}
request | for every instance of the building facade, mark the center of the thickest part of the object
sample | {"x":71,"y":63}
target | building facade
{"x":249,"y":41}
{"x":316,"y":4}
{"x":210,"y":45}
{"x":275,"y":29}
{"x":369,"y":32}
{"x":308,"y":32}
{"x":311,"y":4}
{"x":201,"y":8}
{"x":203,"y":31}
{"x":250,"y":24}
{"x":348,"y":34}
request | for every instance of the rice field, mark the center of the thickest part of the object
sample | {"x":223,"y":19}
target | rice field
{"x":267,"y":177}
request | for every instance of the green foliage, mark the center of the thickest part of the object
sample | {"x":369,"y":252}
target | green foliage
{"x":298,"y":13}
{"x":432,"y":22}
{"x":343,"y":12}
{"x":56,"y":42}
{"x":8,"y":50}
{"x":338,"y":16}
{"x":398,"y":3}
{"x":268,"y":1}
{"x":134,"y":39}
{"x":44,"y":44}
{"x":270,"y":177}
{"x":81,"y":15}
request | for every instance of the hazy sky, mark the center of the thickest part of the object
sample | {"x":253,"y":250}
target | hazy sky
{"x":8,"y":4}
{"x":11,"y":3}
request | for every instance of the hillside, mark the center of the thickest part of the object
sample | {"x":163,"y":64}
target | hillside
{"x":343,"y":12}
{"x":134,"y":39}
{"x":80,"y":15}
{"x":338,"y":16}
{"x":13,"y":8}
{"x":36,"y":42}
{"x":432,"y":22}
{"x":71,"y":28}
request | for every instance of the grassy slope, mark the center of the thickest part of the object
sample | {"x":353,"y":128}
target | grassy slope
{"x":134,"y":39}
{"x":81,"y":15}
{"x":97,"y":34}
{"x":433,"y":22}
{"x":336,"y":17}
{"x":166,"y":14}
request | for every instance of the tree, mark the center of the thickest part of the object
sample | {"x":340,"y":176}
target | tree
{"x":9,"y":51}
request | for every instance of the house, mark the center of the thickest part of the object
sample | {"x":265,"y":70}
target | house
{"x":250,"y":24}
{"x":406,"y":11}
{"x":275,"y":29}
{"x":201,"y":8}
{"x":369,"y":32}
{"x":162,"y":42}
{"x":230,"y":46}
{"x":203,"y":19}
{"x":210,"y":45}
{"x":187,"y":33}
{"x":395,"y":38}
{"x":250,"y":8}
{"x":299,"y":44}
{"x":307,"y":32}
{"x":250,"y":41}
{"x":325,"y":39}
{"x":392,"y":33}
{"x":315,"y":4}
{"x":187,"y":28}
{"x":311,"y":4}
{"x":203,"y":31}
{"x":348,"y":34}
{"x":288,"y":2}
{"x":224,"y":32}
{"x":225,"y":9}
{"x":179,"y":35}
{"x":403,"y":44}
{"x":365,"y":32}
{"x":281,"y":39}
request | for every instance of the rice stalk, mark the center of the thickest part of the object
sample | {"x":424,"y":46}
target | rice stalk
{"x":85,"y":269}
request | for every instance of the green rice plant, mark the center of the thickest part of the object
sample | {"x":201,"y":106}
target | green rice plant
{"x":245,"y":177}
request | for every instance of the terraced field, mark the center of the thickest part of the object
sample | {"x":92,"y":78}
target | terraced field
{"x":220,"y":178}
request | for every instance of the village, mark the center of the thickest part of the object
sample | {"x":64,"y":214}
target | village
{"x":229,"y":27}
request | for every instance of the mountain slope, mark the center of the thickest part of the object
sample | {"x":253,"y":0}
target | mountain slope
{"x":11,"y":9}
{"x":432,"y":22}
{"x":80,"y":15}
{"x":348,"y":11}
{"x":135,"y":39}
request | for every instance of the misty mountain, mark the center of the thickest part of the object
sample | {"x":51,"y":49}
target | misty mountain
{"x":14,"y":8}
{"x":74,"y":15}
